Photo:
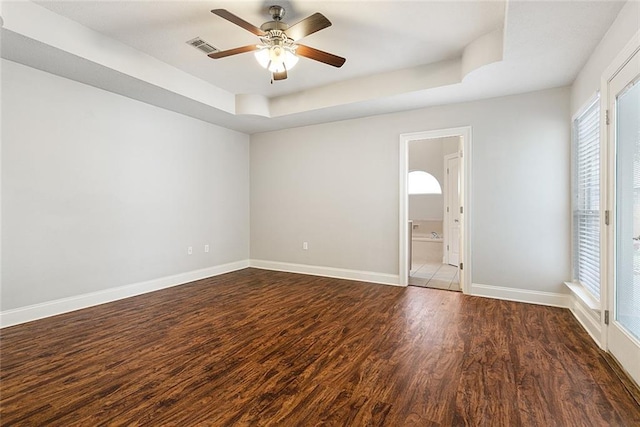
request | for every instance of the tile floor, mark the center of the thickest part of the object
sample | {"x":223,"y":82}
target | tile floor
{"x":435,"y":275}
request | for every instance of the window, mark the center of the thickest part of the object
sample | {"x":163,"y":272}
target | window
{"x":586,"y":198}
{"x":421,"y":182}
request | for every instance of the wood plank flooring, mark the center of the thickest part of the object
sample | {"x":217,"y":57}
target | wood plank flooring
{"x":267,"y":348}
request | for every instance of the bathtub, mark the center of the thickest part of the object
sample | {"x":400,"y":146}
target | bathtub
{"x":426,"y":238}
{"x":426,"y":249}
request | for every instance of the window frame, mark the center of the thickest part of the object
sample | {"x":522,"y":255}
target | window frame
{"x":592,"y":300}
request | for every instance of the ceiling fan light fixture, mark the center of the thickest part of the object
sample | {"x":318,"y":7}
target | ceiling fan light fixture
{"x":262,"y":56}
{"x":276,"y":58}
{"x":289,"y":61}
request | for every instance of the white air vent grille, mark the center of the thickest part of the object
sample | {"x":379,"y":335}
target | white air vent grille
{"x":202,"y":45}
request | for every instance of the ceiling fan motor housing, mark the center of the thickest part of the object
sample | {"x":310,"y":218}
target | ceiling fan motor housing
{"x":274,"y":25}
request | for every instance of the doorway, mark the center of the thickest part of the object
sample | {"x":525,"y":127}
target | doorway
{"x":433,"y":197}
{"x":451,"y":228}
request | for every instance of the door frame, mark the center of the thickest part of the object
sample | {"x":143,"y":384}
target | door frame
{"x":465,"y":195}
{"x":608,"y":183}
{"x":445,"y":222}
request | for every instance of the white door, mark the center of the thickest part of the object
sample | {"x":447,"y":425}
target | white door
{"x":452,"y":209}
{"x":623,"y":331}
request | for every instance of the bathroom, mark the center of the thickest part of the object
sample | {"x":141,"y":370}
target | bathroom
{"x":434,"y":220}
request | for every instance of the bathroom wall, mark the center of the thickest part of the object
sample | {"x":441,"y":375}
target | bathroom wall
{"x":428,"y":155}
{"x":426,"y":227}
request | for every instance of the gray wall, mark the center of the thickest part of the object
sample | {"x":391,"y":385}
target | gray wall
{"x":100,"y":191}
{"x":336,"y":185}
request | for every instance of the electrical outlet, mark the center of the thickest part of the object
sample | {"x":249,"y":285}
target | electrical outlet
{"x":305,"y":246}
{"x":206,"y":248}
{"x":189,"y":250}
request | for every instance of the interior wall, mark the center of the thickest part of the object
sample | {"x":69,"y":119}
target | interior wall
{"x":336,"y":186}
{"x":587,"y":83}
{"x":101,"y":191}
{"x":428,"y":155}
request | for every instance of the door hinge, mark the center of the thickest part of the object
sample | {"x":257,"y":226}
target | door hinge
{"x":606,"y":317}
{"x":461,"y":210}
{"x":447,"y":171}
{"x":606,"y":117}
{"x":447,"y":247}
{"x":606,"y":217}
{"x":461,"y":266}
{"x":447,"y":208}
{"x":461,"y":153}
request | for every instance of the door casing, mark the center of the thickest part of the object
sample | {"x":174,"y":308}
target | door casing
{"x":608,"y":182}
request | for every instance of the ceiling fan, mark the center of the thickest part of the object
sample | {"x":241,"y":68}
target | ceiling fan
{"x":279,"y":48}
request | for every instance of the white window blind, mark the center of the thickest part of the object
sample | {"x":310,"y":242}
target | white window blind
{"x":586,"y":198}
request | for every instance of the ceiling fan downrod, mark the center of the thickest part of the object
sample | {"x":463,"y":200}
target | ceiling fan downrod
{"x":276,"y":12}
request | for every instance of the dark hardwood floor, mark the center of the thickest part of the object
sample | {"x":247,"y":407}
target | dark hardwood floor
{"x":266,"y":348}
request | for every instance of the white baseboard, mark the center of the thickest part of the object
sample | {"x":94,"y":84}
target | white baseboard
{"x":65,"y":305}
{"x":587,"y":317}
{"x":521,"y":295}
{"x":337,"y":273}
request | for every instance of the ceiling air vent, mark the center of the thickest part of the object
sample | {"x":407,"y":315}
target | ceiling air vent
{"x":202,"y":45}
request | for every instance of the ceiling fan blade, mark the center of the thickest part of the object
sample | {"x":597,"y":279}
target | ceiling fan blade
{"x":224,"y":53}
{"x":319,"y":55}
{"x":280,"y":76}
{"x":238,"y":21}
{"x":309,"y":25}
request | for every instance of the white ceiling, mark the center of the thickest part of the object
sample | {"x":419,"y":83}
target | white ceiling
{"x":400,"y":54}
{"x":374,"y":36}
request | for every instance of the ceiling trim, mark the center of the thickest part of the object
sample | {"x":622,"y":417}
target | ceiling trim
{"x":34,"y":22}
{"x":37,"y":23}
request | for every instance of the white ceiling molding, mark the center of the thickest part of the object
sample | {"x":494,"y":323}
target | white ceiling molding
{"x":483,"y":51}
{"x":252,"y":105}
{"x":538,"y":45}
{"x":35,"y":22}
{"x":29,"y":20}
{"x":369,"y":87}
